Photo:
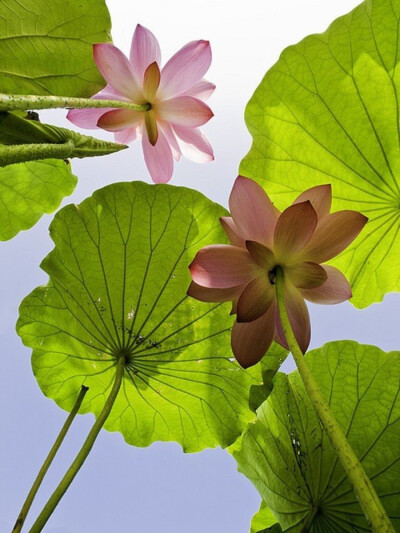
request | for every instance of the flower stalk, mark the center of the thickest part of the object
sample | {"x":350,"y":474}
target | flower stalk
{"x":83,"y":452}
{"x":47,"y":462}
{"x":22,"y":102}
{"x":365,"y":492}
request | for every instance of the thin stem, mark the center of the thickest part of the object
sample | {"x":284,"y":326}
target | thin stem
{"x":47,"y":462}
{"x":21,"y":102}
{"x":83,"y":452}
{"x":19,"y":153}
{"x":365,"y":492}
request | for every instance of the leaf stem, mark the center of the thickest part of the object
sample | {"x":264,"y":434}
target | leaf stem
{"x":20,"y":153}
{"x":47,"y":462}
{"x":83,"y":452}
{"x":22,"y":102}
{"x":365,"y":492}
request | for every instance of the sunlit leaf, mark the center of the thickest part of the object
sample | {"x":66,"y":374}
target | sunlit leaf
{"x":291,"y":461}
{"x":328,"y":112}
{"x":28,"y":190}
{"x":270,"y":364}
{"x":264,"y":521}
{"x":118,"y":281}
{"x":46,"y":47}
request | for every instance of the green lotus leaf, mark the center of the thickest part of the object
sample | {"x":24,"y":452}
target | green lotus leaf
{"x":118,"y":281}
{"x":269,"y":364}
{"x":28,"y":190}
{"x":23,"y":139}
{"x":328,"y":112}
{"x":46,"y":47}
{"x":264,"y":521}
{"x":290,"y":459}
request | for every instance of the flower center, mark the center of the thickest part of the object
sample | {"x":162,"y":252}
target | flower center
{"x":272,"y":275}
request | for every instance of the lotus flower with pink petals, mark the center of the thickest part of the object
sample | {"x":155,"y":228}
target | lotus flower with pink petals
{"x":298,"y":240}
{"x":170,"y":127}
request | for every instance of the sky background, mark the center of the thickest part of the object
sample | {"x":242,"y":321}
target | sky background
{"x":122,"y":488}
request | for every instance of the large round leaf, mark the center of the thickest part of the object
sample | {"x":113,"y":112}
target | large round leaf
{"x":290,"y":459}
{"x":28,"y":190}
{"x":118,"y":281}
{"x":328,"y":112}
{"x":46,"y":47}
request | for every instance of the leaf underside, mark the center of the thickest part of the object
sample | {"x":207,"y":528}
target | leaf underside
{"x":118,"y":281}
{"x":291,"y":461}
{"x":328,"y":112}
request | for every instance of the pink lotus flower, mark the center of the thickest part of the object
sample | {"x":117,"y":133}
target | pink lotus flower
{"x":170,"y":128}
{"x":298,"y":240}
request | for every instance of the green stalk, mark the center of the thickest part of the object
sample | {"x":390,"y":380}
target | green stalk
{"x":47,"y":462}
{"x":365,"y":492}
{"x":21,"y":102}
{"x":20,"y":153}
{"x":83,"y":452}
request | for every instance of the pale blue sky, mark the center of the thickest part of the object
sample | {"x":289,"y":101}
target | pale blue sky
{"x":159,"y":488}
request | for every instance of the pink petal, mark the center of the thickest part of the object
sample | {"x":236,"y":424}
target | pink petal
{"x":144,"y":51}
{"x":116,"y":70}
{"x":298,"y":317}
{"x":185,"y":68}
{"x":205,"y":294}
{"x":279,"y":336}
{"x":294,"y":229}
{"x":320,"y":198}
{"x":306,"y":275}
{"x":222,"y":266}
{"x":336,"y":289}
{"x":119,"y":119}
{"x":261,"y":255}
{"x":109,"y":93}
{"x":194,"y":145}
{"x":170,"y":136}
{"x":158,"y":158}
{"x":251,"y":340}
{"x":333,"y":235}
{"x":255,"y":299}
{"x":126,"y":136}
{"x":86,"y":118}
{"x":232,"y":232}
{"x":184,"y":111}
{"x":203,"y":89}
{"x":151,"y":81}
{"x":252,"y":211}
